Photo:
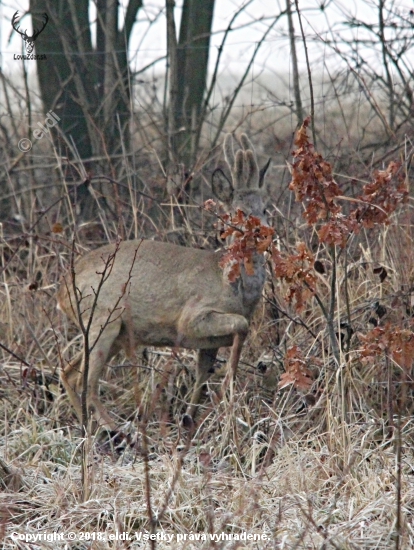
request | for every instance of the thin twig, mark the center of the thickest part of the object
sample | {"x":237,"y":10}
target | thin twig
{"x":309,"y":75}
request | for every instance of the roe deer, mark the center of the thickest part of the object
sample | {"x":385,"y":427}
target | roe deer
{"x":160,"y":294}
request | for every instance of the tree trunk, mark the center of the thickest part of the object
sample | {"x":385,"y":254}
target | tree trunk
{"x":172,"y":122}
{"x":57,"y":85}
{"x":86,"y":88}
{"x":295,"y":69}
{"x":192,"y":66}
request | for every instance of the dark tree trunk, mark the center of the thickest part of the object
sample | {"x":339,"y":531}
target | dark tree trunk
{"x":192,"y":66}
{"x":57,"y":83}
{"x":87,"y":89}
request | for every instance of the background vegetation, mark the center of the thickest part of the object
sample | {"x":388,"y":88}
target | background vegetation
{"x":316,"y":448}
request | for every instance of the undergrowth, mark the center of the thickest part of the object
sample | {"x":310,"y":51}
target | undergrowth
{"x":315,"y":450}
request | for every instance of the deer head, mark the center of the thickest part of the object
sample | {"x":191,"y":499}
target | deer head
{"x":29,"y":40}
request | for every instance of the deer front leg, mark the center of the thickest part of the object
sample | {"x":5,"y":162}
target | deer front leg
{"x":210,"y":325}
{"x":235,"y":354}
{"x":205,"y":364}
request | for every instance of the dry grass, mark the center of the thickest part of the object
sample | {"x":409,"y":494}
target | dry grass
{"x":314,"y":491}
{"x":310,"y":471}
{"x":306,"y":476}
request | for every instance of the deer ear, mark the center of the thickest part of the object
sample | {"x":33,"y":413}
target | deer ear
{"x":222,"y":187}
{"x":262,"y":173}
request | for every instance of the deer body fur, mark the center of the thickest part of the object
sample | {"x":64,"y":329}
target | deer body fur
{"x":146,"y":292}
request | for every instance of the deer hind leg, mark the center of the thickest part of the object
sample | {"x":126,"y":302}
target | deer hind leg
{"x":105,"y":347}
{"x":71,"y":378}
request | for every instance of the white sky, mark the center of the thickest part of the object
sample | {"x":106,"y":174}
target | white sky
{"x":148,"y":41}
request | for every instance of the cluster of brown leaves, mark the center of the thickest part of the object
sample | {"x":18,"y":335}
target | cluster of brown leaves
{"x":298,"y":272}
{"x":382,"y":196}
{"x":314,"y":185}
{"x":297,"y":370}
{"x":390,"y":340}
{"x":249,"y":236}
{"x":312,"y":180}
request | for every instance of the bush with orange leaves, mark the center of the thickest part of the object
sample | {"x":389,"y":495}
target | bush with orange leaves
{"x":297,"y":370}
{"x":249,"y":236}
{"x":315,"y":187}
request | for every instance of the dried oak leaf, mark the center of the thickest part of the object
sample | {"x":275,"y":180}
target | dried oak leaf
{"x":297,"y":372}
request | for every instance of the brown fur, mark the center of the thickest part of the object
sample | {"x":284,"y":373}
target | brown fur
{"x":160,"y":294}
